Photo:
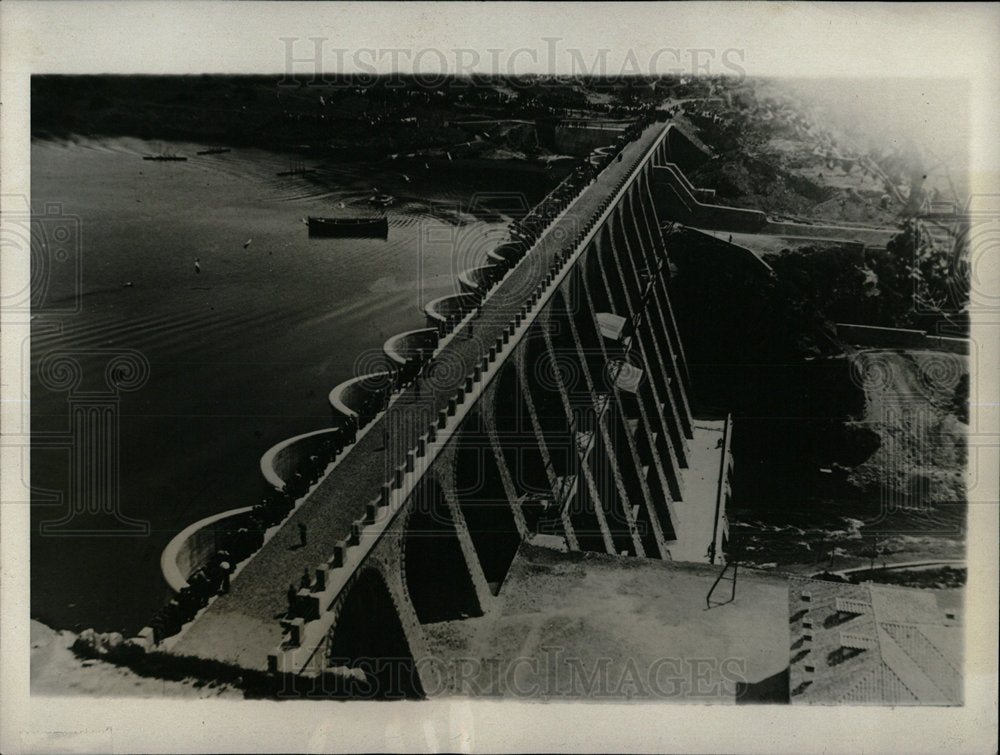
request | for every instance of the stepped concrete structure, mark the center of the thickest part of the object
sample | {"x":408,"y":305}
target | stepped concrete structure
{"x":681,"y":201}
{"x":545,"y":404}
{"x":871,"y":644}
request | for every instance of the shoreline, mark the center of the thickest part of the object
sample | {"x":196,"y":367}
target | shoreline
{"x":56,"y":670}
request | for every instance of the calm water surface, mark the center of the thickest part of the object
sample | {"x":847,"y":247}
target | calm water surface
{"x":240,"y":355}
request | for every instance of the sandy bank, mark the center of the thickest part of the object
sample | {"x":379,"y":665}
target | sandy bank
{"x":57,"y":670}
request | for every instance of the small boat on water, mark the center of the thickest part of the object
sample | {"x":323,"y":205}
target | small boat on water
{"x":345,"y":227}
{"x":381,"y":200}
{"x":214,"y":151}
{"x":297,"y":168}
{"x":169,"y":158}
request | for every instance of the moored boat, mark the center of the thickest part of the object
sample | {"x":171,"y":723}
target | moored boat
{"x":371,"y":227}
{"x":381,"y":200}
{"x":297,"y":168}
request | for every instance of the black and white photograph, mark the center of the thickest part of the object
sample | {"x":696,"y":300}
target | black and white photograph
{"x":490,"y":377}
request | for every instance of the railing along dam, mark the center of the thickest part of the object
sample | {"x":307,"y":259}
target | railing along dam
{"x":545,"y":402}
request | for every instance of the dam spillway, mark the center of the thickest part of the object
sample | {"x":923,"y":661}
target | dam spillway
{"x":549,"y":405}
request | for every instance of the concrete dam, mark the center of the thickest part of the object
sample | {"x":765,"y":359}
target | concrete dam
{"x":546,"y":402}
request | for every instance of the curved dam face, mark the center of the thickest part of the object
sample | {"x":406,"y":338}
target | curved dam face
{"x":303,"y":457}
{"x":413,"y":344}
{"x":280,"y":462}
{"x":360,"y":399}
{"x":509,"y":254}
{"x":479,"y":280}
{"x":290,"y":468}
{"x":194,"y":547}
{"x":445,"y":312}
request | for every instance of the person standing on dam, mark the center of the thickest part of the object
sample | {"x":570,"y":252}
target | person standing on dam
{"x":302,"y":535}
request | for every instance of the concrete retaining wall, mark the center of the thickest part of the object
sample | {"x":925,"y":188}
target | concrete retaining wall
{"x":282,"y":459}
{"x":405,"y":346}
{"x":864,"y":236}
{"x":681,"y":201}
{"x":478,"y":280}
{"x":601,"y":154}
{"x":194,"y":546}
{"x":677,"y":201}
{"x":352,"y":397}
{"x":449,"y":309}
{"x":899,"y":338}
{"x":943,"y":343}
{"x":507,"y":255}
{"x":733,"y":254}
{"x":580,"y":141}
{"x":683,"y":152}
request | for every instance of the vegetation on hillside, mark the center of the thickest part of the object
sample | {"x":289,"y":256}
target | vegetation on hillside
{"x":363,"y":117}
{"x":776,"y":153}
{"x":763,"y":345}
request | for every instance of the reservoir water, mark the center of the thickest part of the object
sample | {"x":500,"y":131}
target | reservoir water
{"x":231,"y":359}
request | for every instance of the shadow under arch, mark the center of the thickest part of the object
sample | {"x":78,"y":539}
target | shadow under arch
{"x":483,"y":501}
{"x":593,"y":299}
{"x":594,"y":280}
{"x":582,"y":508}
{"x":437,"y":576}
{"x":369,"y":637}
{"x":610,"y":246}
{"x":543,"y":369}
{"x":517,"y":436}
{"x":601,"y":351}
{"x":573,"y":372}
